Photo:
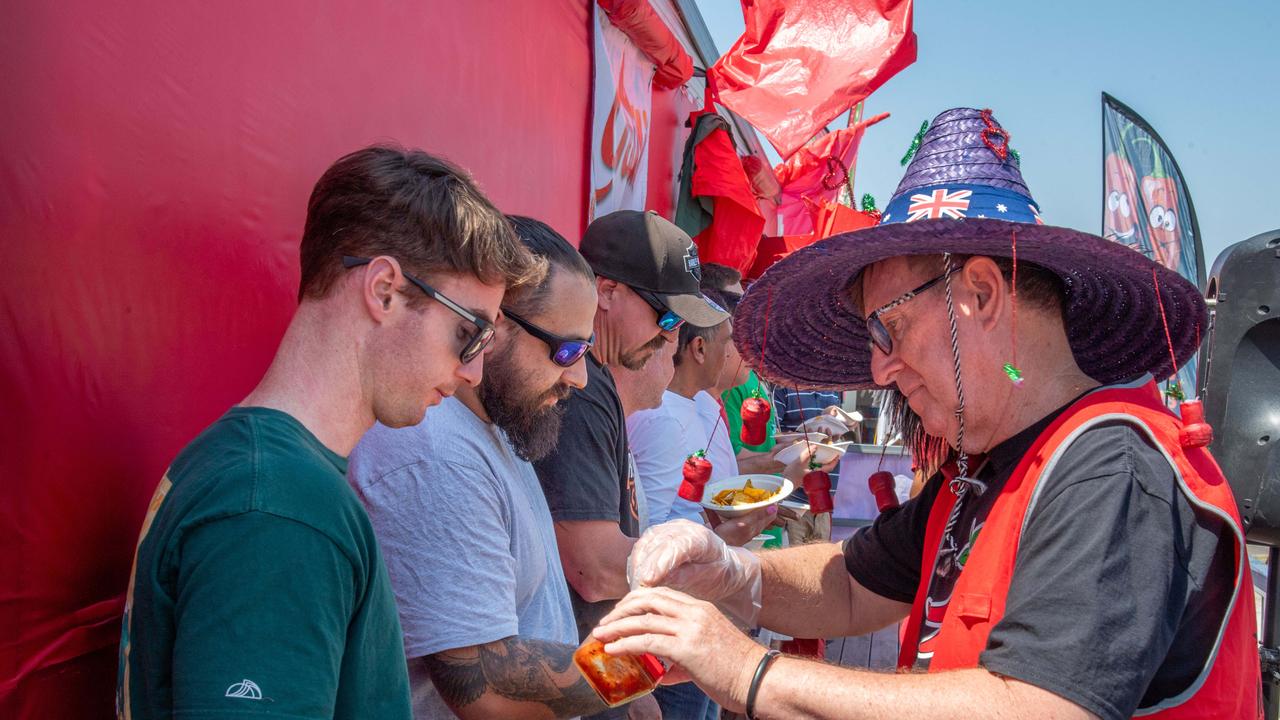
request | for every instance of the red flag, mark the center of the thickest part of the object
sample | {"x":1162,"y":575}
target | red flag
{"x":736,"y":222}
{"x":816,"y":172}
{"x":800,"y":63}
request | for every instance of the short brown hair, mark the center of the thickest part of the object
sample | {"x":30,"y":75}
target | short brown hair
{"x":719,"y":277}
{"x":551,"y":247}
{"x":688,"y":332}
{"x":422,"y":210}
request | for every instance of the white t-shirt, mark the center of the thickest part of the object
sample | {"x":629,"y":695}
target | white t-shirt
{"x":660,"y":441}
{"x":723,"y":462}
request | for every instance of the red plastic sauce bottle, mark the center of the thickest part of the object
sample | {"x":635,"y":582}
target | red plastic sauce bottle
{"x":617,"y":679}
{"x":695,"y":473}
{"x":755,"y":420}
{"x":817,"y":485}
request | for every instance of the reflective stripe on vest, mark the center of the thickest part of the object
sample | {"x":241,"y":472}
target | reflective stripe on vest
{"x":1228,"y":686}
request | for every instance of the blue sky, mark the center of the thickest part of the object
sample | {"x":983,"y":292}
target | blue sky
{"x":1205,"y":75}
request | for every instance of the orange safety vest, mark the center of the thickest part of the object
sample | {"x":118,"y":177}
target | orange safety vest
{"x":1229,"y":685}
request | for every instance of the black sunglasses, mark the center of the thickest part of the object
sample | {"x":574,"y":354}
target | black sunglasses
{"x":668,"y":320}
{"x":484,"y":329}
{"x":564,"y":351}
{"x":880,"y":336}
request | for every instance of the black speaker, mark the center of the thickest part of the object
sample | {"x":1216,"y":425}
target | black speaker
{"x":1239,"y":379}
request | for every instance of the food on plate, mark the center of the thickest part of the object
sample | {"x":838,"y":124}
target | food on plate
{"x":744,"y":495}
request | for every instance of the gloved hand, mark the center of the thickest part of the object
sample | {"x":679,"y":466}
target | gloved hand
{"x":689,"y":557}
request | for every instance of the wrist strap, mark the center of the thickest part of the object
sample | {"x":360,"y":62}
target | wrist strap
{"x":755,"y":682}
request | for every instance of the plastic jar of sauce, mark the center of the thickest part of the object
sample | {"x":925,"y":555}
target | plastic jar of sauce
{"x":617,"y":679}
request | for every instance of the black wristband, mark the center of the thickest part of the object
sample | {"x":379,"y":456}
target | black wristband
{"x":755,"y":682}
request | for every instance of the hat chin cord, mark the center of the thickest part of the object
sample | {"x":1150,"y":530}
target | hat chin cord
{"x":961,"y":482}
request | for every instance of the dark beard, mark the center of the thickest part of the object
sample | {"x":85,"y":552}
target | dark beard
{"x":638,"y":358}
{"x":927,"y":451}
{"x":532,"y":428}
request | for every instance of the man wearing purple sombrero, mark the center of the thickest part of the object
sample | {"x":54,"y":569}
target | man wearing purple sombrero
{"x":1078,"y":554}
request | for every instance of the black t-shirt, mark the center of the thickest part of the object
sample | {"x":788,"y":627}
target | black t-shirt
{"x":1119,"y":585}
{"x":589,"y":476}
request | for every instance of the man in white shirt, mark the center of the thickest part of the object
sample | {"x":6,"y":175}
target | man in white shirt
{"x":662,"y":438}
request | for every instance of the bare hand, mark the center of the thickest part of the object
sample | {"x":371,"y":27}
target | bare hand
{"x":826,"y":424}
{"x":740,"y":530}
{"x":645,"y":708}
{"x":753,"y":462}
{"x":691,"y":635}
{"x":796,"y":470}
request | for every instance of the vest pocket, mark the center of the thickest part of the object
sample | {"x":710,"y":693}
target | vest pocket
{"x":972,"y":607}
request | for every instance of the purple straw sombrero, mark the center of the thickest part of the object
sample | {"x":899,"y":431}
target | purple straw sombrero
{"x":963,"y":193}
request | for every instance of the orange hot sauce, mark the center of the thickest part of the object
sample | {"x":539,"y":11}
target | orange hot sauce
{"x":617,"y":679}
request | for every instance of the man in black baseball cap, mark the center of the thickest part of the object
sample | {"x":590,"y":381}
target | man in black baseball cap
{"x":656,"y":259}
{"x":647,"y":275}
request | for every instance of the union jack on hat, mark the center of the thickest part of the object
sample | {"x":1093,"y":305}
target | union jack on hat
{"x":963,"y":193}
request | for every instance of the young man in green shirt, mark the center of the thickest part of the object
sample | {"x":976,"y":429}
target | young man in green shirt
{"x":258,"y":588}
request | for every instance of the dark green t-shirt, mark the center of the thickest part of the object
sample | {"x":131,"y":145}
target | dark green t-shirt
{"x":258,"y":587}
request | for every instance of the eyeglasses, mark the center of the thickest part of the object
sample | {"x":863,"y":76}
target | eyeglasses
{"x":484,"y":329}
{"x":880,"y":336}
{"x":668,"y":320}
{"x":564,"y":351}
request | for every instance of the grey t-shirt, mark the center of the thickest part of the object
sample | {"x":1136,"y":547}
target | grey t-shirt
{"x":467,"y":538}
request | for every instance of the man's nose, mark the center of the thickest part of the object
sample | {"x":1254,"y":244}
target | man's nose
{"x":884,"y":368}
{"x":576,"y":375}
{"x":471,"y":372}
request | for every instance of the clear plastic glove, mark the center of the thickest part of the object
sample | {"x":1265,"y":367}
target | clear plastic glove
{"x":689,"y":557}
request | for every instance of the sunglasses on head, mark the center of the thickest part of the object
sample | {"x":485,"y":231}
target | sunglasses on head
{"x":564,"y":351}
{"x":880,"y":336}
{"x":668,"y":320}
{"x":484,"y":331}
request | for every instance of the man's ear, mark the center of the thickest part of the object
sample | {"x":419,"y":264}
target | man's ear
{"x":698,"y":349}
{"x":378,"y":282}
{"x":606,"y":292}
{"x":983,"y":278}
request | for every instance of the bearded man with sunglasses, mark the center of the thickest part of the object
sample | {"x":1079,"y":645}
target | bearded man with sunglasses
{"x":488,"y":627}
{"x":258,"y":585}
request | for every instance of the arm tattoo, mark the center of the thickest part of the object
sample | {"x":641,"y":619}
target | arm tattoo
{"x":523,"y":670}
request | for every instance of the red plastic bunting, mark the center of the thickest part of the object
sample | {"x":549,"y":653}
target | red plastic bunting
{"x":811,"y":174}
{"x":830,"y":218}
{"x":737,"y":223}
{"x":832,"y":52}
{"x":653,"y":38}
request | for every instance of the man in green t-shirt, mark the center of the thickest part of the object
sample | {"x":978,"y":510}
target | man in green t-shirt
{"x":258,"y":588}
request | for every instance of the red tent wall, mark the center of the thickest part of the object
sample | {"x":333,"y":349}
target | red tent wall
{"x":155,"y":161}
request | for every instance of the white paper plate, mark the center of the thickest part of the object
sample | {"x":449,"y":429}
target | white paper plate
{"x":823,"y":452}
{"x":786,"y":438}
{"x":769,"y":482}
